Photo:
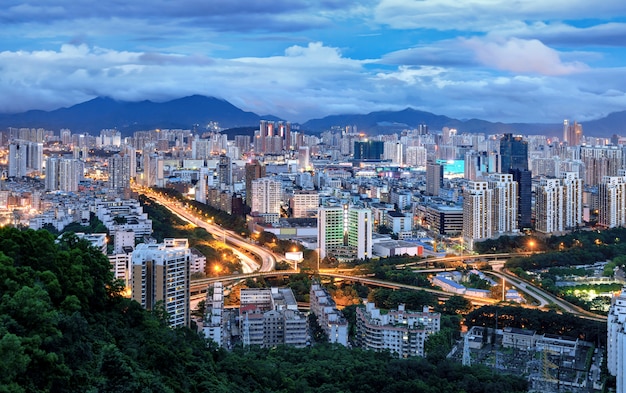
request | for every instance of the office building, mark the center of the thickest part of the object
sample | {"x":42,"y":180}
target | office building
{"x":434,"y":178}
{"x":400,"y":332}
{"x":368,"y":150}
{"x":160,"y":273}
{"x":344,"y":232}
{"x":616,"y":340}
{"x":514,"y":160}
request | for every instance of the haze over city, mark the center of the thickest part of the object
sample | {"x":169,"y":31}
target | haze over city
{"x":531,"y":62}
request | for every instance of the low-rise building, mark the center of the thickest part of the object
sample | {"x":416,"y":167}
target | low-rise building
{"x":270,"y":317}
{"x":399,"y":331}
{"x":330,"y":319}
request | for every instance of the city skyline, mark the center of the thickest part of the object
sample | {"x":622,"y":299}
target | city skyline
{"x":298,"y":60}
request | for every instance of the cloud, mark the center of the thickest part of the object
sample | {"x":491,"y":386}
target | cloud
{"x":485,"y":15}
{"x":522,"y":56}
{"x":444,"y":53}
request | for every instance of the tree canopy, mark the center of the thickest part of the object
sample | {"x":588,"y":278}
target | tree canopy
{"x":64,"y":327}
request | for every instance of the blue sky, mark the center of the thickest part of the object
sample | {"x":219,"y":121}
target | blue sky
{"x":510,"y":61}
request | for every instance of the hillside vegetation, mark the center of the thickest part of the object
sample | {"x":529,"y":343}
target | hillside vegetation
{"x":65,"y":328}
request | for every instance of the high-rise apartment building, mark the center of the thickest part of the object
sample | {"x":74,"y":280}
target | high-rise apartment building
{"x":160,"y":273}
{"x":612,"y":201}
{"x":504,"y":205}
{"x":549,"y":206}
{"x":119,"y":171}
{"x":345,"y":232}
{"x":254,"y":170}
{"x":224,"y":171}
{"x":63,"y":174}
{"x":18,"y":158}
{"x":600,"y":161}
{"x":71,"y":173}
{"x":267,"y":195}
{"x":572,"y":133}
{"x":616,"y":340}
{"x":434,"y":178}
{"x":572,"y":199}
{"x":360,"y":225}
{"x":477,"y":213}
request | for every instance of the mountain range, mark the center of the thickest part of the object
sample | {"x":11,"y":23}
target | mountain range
{"x":197,"y":111}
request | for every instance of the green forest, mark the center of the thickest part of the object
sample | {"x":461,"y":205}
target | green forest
{"x":66,"y":328}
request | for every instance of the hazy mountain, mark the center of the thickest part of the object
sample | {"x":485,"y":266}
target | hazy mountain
{"x":187,"y":112}
{"x":387,"y":121}
{"x":99,"y":113}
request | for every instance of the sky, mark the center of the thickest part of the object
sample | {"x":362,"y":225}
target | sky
{"x":510,"y":61}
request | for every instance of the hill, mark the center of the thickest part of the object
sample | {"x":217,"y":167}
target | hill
{"x":196,"y":111}
{"x":65,"y":328}
{"x":102,"y":112}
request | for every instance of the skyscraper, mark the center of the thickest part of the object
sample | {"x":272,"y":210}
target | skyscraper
{"x":477,"y":213}
{"x":266,"y":196}
{"x":572,"y":133}
{"x":18,"y":152}
{"x":612,"y":201}
{"x":119,"y":171}
{"x":514,"y":160}
{"x":616,"y":340}
{"x":572,"y":199}
{"x":160,"y":273}
{"x":504,"y":202}
{"x":254,"y":170}
{"x":434,"y":178}
{"x":71,"y":172}
{"x":549,"y":206}
{"x":224,"y":171}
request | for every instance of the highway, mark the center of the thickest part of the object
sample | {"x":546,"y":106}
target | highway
{"x":268,"y":259}
{"x":252,"y":269}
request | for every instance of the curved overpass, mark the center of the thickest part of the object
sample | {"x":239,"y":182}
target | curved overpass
{"x":268,"y":259}
{"x":201,"y":285}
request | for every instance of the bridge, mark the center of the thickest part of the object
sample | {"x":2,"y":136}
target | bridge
{"x":200,"y":286}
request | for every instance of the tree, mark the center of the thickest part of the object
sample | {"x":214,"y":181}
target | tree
{"x":456,"y":305}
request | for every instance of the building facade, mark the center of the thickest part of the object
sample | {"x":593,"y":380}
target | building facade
{"x":399,"y":331}
{"x":160,"y":273}
{"x":477,"y":213}
{"x":612,"y":201}
{"x":616,"y":340}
